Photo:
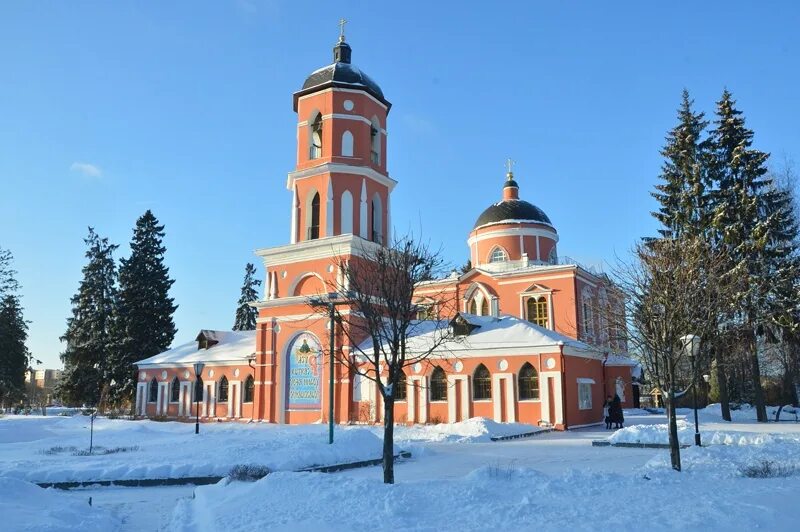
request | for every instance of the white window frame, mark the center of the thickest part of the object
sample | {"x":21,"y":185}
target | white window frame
{"x":584,"y":388}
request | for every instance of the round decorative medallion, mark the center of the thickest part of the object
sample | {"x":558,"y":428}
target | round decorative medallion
{"x":550,"y":363}
{"x":348,"y":105}
{"x":502,"y":365}
{"x":330,"y":268}
{"x":236,"y":372}
{"x":186,"y":374}
{"x":458,"y":366}
{"x":164,"y":375}
{"x":284,"y":274}
{"x":277,"y":328}
{"x":210,"y":373}
{"x":143,"y":375}
{"x":417,"y":367}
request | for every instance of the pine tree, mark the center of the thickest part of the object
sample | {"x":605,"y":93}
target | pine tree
{"x":743,"y":224}
{"x":684,"y":193}
{"x":245,"y":314}
{"x":144,"y":325}
{"x":87,"y":361}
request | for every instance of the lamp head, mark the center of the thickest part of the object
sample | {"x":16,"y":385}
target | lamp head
{"x":198,"y":368}
{"x":707,"y":378}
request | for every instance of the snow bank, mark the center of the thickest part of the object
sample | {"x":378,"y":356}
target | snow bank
{"x":476,"y":429}
{"x":48,"y":449}
{"x":659,"y":434}
{"x":490,"y":498}
{"x":25,"y":506}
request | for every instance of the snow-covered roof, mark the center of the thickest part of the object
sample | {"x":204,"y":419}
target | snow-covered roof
{"x":233,"y":346}
{"x":620,"y":360}
{"x":492,"y":335}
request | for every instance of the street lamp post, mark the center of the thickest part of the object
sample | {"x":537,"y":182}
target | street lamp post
{"x":691,"y":343}
{"x":331,"y":303}
{"x":198,"y":369}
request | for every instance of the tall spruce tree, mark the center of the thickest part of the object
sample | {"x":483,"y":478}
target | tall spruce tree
{"x":144,"y":325}
{"x":87,"y":357}
{"x":684,"y":191}
{"x":245,"y":314}
{"x":14,"y":355}
{"x":746,"y":225}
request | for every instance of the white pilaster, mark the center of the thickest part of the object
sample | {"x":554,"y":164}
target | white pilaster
{"x":141,"y":398}
{"x":544,"y":382}
{"x":419,"y":391}
{"x":460,"y":383}
{"x":497,"y":399}
{"x":329,"y":209}
{"x":293,"y":236}
{"x":362,"y":227}
{"x":388,"y":220}
{"x":158,"y":399}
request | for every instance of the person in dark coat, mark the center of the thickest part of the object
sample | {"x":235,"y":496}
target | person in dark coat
{"x":607,"y":412}
{"x":615,"y":412}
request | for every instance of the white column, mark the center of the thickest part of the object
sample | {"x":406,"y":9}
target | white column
{"x":497,"y":399}
{"x":267,"y":284}
{"x":273,"y":286}
{"x":362,"y":228}
{"x":293,"y":236}
{"x":329,"y":209}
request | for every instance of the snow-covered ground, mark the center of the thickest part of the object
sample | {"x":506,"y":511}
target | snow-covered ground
{"x":457,"y":479}
{"x":52,"y":449}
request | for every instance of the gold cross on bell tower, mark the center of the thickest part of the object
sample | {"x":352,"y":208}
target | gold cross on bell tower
{"x":342,"y":22}
{"x":510,"y":167}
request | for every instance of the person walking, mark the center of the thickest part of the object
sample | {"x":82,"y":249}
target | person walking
{"x":615,"y":412}
{"x":607,"y":412}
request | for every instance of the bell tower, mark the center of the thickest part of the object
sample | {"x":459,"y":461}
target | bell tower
{"x":340,"y":184}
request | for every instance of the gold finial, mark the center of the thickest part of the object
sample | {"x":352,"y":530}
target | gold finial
{"x":510,"y":167}
{"x":342,"y":22}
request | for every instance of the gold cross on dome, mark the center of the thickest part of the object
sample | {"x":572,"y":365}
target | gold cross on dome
{"x":342,"y":22}
{"x":510,"y":165}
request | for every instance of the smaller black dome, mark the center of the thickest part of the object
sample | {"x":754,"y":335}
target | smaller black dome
{"x":512,"y":210}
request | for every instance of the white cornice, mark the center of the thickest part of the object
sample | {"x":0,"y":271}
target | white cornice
{"x":516,"y":231}
{"x":338,"y":168}
{"x":320,"y":248}
{"x":340,"y":89}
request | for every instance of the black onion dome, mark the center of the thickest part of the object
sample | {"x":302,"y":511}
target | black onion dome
{"x":341,"y":73}
{"x":512,"y":210}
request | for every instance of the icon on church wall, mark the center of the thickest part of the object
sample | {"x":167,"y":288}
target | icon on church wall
{"x":304,"y":386}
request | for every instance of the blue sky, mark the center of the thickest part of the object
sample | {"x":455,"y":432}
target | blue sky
{"x":110,"y":108}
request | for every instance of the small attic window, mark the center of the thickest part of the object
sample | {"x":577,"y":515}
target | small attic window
{"x":461,"y":327}
{"x":206,"y":341}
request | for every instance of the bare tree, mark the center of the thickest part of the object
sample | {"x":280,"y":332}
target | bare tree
{"x":380,"y":322}
{"x":672,"y":288}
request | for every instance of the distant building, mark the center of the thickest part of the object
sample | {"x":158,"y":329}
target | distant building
{"x":40,"y":384}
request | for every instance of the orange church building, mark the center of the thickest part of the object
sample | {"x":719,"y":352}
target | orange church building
{"x":537,"y":346}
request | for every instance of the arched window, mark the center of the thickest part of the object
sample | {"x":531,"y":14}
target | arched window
{"x":313,"y":218}
{"x":198,"y":390}
{"x":347,"y":144}
{"x":537,"y":311}
{"x":473,"y":306}
{"x":485,"y":307}
{"x":498,"y":254}
{"x":375,"y":141}
{"x":152,"y":395}
{"x":377,"y":219}
{"x":528,"y":382}
{"x":315,"y":151}
{"x":481,"y":384}
{"x":438,"y":385}
{"x":346,"y":213}
{"x":175,"y":390}
{"x":249,"y":385}
{"x":400,"y":390}
{"x":222,"y":396}
{"x":588,"y":319}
